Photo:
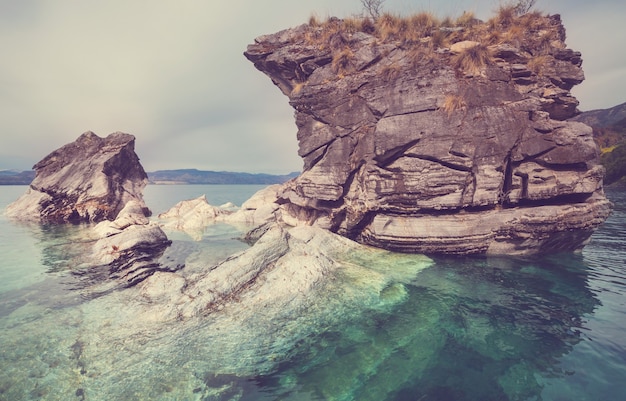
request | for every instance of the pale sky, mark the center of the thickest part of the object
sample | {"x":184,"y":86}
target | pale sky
{"x":173,"y":74}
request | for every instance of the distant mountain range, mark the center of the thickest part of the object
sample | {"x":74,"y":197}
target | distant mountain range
{"x":193,"y":176}
{"x":186,"y":176}
{"x":16,"y":177}
{"x":609,"y":125}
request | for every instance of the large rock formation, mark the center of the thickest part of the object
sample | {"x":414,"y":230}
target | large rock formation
{"x":92,"y":180}
{"x":88,"y":180}
{"x":439,"y":139}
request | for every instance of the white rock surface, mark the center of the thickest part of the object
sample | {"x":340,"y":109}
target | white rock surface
{"x":194,"y":215}
{"x":285,"y":264}
{"x":129,"y":247}
{"x":259,"y":209}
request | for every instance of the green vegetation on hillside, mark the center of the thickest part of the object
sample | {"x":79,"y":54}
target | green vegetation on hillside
{"x":608,"y":137}
{"x":609,"y":132}
{"x":615,"y":164}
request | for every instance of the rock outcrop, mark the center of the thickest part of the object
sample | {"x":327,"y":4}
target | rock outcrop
{"x":193,"y":216}
{"x":93,"y":180}
{"x":88,"y":180}
{"x":453,"y":140}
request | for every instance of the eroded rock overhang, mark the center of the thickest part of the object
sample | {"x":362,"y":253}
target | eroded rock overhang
{"x":408,"y":148}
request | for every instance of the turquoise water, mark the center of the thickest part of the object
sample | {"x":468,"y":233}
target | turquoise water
{"x":384,"y":327}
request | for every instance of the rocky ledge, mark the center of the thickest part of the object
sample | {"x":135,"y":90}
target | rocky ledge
{"x":438,"y":139}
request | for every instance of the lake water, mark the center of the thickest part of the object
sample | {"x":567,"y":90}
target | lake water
{"x":536,"y":328}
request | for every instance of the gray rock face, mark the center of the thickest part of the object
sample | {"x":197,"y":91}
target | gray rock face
{"x":407,"y":148}
{"x":88,"y":180}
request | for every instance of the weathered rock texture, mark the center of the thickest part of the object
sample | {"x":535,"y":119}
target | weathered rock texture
{"x":419,"y":145}
{"x":125,"y":251}
{"x":194,"y":215}
{"x":280,"y":272}
{"x":88,"y":180}
{"x":92,"y":180}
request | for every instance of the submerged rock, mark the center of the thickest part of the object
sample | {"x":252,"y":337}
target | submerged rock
{"x":88,"y":180}
{"x":128,"y":248}
{"x":418,"y":147}
{"x":279,"y":272}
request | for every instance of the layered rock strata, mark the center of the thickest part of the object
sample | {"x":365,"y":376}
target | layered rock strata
{"x":425,"y":146}
{"x":126,"y":250}
{"x":88,"y":180}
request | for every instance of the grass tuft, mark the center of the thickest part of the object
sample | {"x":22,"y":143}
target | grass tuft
{"x":423,"y":23}
{"x":388,"y":26}
{"x":353,"y":25}
{"x":390,"y":72}
{"x":505,"y":16}
{"x":368,"y":26}
{"x":297,"y":88}
{"x":314,"y":21}
{"x":452,"y":103}
{"x":538,"y":64}
{"x":466,"y":20}
{"x":421,"y":55}
{"x":342,"y":61}
{"x":533,"y":21}
{"x":472,"y":60}
{"x":416,"y":28}
{"x":439,"y":39}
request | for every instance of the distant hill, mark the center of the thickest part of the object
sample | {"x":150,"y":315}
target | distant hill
{"x":609,"y":131}
{"x":193,"y":176}
{"x":603,"y":117}
{"x":15,"y":177}
{"x":186,"y":176}
{"x":609,"y":125}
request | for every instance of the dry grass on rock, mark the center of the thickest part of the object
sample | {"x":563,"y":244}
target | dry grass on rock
{"x":505,"y":27}
{"x":426,"y":38}
{"x":452,"y":102}
{"x":472,"y":60}
{"x":342,"y":61}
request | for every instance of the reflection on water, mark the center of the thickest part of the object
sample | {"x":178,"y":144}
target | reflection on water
{"x":384,"y":327}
